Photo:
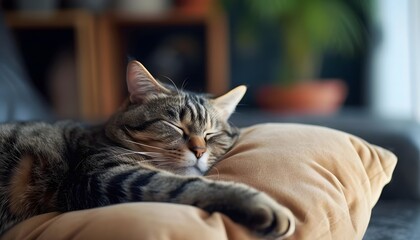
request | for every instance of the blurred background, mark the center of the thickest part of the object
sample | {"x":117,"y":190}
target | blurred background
{"x":297,"y":57}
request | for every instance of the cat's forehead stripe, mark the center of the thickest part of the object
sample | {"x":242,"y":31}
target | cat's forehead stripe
{"x":200,"y":117}
{"x":191,"y":111}
{"x":172,"y":113}
{"x":182,"y":113}
{"x":202,"y":112}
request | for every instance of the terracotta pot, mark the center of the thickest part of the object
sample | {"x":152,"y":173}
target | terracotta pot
{"x":194,"y":6}
{"x":311,"y":97}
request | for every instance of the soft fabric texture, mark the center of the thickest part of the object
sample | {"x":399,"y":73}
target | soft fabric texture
{"x":329,"y":179}
{"x":130,"y":221}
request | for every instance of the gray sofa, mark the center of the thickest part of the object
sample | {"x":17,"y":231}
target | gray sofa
{"x":396,"y":216}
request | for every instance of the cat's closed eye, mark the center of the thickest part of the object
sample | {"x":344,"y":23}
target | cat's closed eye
{"x":178,"y":128}
{"x":211,"y":134}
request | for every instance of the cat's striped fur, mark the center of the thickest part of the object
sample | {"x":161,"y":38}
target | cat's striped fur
{"x":150,"y":150}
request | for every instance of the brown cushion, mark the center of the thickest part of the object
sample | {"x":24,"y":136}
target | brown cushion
{"x":329,"y":179}
{"x":131,"y":221}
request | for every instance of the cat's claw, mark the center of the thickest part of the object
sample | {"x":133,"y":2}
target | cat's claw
{"x":269,"y":219}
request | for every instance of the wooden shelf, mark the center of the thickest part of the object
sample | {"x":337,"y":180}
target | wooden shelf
{"x":33,"y":19}
{"x":83,"y":24}
{"x":169,"y":18}
{"x":98,"y":45}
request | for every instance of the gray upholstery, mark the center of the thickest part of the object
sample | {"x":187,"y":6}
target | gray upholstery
{"x":394,"y":220}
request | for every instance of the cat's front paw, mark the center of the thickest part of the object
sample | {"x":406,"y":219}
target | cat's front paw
{"x":255,"y":210}
{"x":265,"y":217}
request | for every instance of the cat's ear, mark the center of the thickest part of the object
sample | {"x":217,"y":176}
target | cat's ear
{"x":141,"y":84}
{"x":226,"y":104}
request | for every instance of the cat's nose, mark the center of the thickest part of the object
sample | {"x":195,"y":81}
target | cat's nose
{"x":198,"y":151}
{"x":197,"y":145}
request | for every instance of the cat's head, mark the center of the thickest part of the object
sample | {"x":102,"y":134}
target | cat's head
{"x":175,"y":130}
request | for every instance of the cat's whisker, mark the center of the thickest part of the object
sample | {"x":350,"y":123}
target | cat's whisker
{"x":152,"y":160}
{"x":144,"y":145}
{"x":138,"y":153}
{"x":218,"y":173}
{"x":174,"y":153}
{"x":121,"y":151}
{"x":184,"y":84}
{"x":165,"y":165}
{"x":158,"y":157}
{"x":173,"y":83}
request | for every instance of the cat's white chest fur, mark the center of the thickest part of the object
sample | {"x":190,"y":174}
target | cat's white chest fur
{"x":195,"y":166}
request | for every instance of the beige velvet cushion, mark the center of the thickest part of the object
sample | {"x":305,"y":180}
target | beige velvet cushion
{"x":329,"y":179}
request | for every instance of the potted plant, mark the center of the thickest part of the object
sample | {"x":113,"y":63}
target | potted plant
{"x":308,"y":29}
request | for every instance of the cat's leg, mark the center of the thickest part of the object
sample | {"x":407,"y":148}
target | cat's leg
{"x":128,"y":183}
{"x":243,"y":204}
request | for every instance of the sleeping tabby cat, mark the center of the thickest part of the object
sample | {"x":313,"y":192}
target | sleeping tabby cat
{"x":152,"y":149}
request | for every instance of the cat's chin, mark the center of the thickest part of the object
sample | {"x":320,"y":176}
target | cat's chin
{"x":190,"y":171}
